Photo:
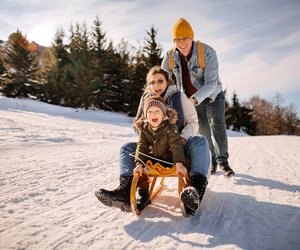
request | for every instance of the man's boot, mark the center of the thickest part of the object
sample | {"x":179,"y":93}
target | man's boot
{"x":191,"y":196}
{"x":226,"y":169}
{"x":214,"y":165}
{"x":120,"y":197}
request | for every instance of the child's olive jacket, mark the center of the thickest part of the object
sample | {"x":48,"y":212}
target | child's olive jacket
{"x":165,"y":143}
{"x":189,"y":115}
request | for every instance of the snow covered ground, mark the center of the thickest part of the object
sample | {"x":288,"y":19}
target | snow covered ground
{"x":54,"y":158}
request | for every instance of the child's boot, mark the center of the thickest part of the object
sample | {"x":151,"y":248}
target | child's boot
{"x":144,"y":199}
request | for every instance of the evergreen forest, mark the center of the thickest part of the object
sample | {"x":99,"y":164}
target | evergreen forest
{"x":84,"y":69}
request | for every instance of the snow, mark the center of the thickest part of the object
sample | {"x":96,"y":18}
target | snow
{"x":54,"y":158}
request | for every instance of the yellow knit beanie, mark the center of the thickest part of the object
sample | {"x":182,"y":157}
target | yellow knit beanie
{"x":182,"y":29}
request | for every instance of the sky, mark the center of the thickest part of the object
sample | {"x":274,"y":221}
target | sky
{"x":257,"y":41}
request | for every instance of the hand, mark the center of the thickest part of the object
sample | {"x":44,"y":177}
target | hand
{"x":193,"y":100}
{"x":138,"y":169}
{"x":180,"y":169}
{"x":206,"y":101}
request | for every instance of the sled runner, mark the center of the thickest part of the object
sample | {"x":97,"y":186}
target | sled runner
{"x":156,"y":171}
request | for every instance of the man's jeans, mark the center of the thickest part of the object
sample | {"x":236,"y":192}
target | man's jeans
{"x":196,"y":148}
{"x":212,"y":125}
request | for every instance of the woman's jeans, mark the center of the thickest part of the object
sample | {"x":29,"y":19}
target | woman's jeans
{"x":196,"y":148}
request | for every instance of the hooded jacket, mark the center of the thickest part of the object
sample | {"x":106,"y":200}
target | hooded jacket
{"x":206,"y":81}
{"x":186,"y":111}
{"x":164,"y":143}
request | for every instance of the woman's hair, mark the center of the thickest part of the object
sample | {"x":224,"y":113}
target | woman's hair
{"x":156,"y":70}
{"x":153,"y":71}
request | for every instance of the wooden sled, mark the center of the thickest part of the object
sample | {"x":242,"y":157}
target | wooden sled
{"x":155,"y":171}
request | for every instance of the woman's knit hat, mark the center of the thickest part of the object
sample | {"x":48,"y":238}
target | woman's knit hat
{"x":155,"y":101}
{"x":182,"y":29}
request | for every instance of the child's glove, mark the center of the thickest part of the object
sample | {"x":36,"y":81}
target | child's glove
{"x":180,"y":169}
{"x":138,"y":169}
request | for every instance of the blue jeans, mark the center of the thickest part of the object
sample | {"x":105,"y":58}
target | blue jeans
{"x":196,"y":148}
{"x":212,"y":125}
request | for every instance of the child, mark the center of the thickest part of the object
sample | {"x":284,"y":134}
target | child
{"x":159,"y":138}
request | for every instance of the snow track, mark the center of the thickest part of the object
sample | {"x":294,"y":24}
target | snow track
{"x":51,"y":165}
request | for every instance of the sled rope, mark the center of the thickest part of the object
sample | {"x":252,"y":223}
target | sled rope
{"x":151,"y":157}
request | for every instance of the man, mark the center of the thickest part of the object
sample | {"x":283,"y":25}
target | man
{"x":201,"y":83}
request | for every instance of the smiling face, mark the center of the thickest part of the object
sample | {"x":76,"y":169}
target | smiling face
{"x":155,"y":116}
{"x":184,"y":45}
{"x":158,"y":84}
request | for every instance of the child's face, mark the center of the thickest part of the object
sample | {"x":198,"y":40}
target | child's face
{"x":155,"y":116}
{"x":158,"y":84}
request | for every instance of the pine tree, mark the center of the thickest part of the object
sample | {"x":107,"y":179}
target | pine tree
{"x":2,"y":69}
{"x":146,"y":57}
{"x":238,"y":117}
{"x":48,"y":61}
{"x":57,"y":69}
{"x":98,"y":44}
{"x":126,"y":59}
{"x":110,"y":93}
{"x":20,"y":63}
{"x":233,"y":116}
{"x":138,"y":71}
{"x":248,"y":125}
{"x":152,"y":50}
{"x":98,"y":51}
{"x":115,"y":68}
{"x":116,"y":77}
{"x":79,"y":70}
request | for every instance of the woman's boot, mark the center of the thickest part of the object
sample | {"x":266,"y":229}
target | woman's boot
{"x":192,"y":195}
{"x":120,"y":197}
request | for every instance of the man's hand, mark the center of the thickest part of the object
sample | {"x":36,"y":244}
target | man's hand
{"x":206,"y":101}
{"x":193,"y":100}
{"x":180,"y":169}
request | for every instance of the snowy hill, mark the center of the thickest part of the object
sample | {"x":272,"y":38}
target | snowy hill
{"x":54,"y":158}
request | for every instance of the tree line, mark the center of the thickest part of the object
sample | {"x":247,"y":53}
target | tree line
{"x":83,"y":69}
{"x":258,"y":116}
